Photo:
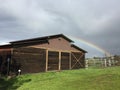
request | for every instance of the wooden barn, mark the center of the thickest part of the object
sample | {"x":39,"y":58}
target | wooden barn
{"x":55,"y":52}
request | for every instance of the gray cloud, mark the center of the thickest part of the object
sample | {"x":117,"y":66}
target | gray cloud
{"x":94,"y":20}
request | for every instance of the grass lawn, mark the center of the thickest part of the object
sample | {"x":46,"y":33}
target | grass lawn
{"x":82,"y":79}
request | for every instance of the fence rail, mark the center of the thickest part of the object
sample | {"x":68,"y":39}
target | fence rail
{"x":102,"y":62}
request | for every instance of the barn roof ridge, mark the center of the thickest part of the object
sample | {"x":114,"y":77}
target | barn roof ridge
{"x":44,"y":38}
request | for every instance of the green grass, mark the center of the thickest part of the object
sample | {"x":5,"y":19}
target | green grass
{"x":83,"y":79}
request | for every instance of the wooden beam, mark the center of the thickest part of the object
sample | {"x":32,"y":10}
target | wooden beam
{"x":46,"y":60}
{"x":52,"y":49}
{"x":70,"y":60}
{"x":59,"y":60}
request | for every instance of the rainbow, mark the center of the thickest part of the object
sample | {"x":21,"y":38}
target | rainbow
{"x":91,"y":45}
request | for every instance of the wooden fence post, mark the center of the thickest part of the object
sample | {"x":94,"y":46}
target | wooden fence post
{"x":46,"y":60}
{"x":86,"y":64}
{"x":105,"y":62}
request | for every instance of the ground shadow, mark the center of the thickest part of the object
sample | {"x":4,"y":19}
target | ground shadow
{"x":11,"y":84}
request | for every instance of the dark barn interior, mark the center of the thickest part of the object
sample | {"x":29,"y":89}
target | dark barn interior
{"x":5,"y":58}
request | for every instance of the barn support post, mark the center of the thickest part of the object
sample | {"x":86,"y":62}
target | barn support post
{"x":59,"y":60}
{"x":46,"y":60}
{"x":70,"y":60}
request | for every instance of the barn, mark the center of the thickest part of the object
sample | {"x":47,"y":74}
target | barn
{"x":48,"y":53}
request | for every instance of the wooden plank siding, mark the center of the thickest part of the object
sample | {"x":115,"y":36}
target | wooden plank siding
{"x":34,"y":60}
{"x":53,"y":60}
{"x":29,"y":60}
{"x":65,"y":61}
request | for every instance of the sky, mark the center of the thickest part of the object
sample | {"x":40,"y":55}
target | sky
{"x":96,"y":22}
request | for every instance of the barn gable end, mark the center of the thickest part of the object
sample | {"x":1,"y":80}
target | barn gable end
{"x":58,"y":43}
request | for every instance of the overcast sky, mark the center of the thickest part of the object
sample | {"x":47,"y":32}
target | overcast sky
{"x":96,"y":21}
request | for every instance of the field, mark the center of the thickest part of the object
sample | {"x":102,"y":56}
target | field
{"x":82,"y":79}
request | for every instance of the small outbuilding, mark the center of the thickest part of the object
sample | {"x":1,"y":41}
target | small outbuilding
{"x":55,"y":52}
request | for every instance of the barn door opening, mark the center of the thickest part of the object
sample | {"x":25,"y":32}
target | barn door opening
{"x":77,"y":60}
{"x":5,"y":57}
{"x":65,"y":60}
{"x":53,"y":60}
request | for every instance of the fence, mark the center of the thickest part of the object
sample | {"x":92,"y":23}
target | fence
{"x":102,"y":62}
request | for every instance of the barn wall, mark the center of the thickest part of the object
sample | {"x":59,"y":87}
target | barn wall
{"x":29,"y":60}
{"x":61,"y":45}
{"x":56,"y":44}
{"x":33,"y":60}
{"x":58,"y":60}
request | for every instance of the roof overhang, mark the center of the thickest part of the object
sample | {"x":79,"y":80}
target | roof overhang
{"x":73,"y":45}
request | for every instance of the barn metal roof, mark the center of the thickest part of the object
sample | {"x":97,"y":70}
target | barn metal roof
{"x":5,"y":46}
